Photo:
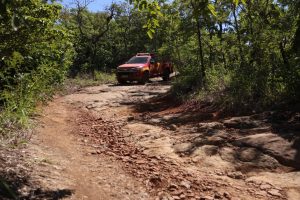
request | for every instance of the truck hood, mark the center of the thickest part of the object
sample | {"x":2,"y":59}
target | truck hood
{"x":132,"y":65}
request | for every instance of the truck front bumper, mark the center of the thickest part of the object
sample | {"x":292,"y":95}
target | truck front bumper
{"x":129,"y":76}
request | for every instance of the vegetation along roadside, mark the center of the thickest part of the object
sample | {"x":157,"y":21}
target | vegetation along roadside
{"x":241,"y":55}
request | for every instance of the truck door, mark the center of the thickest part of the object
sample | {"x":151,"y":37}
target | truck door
{"x":152,"y":67}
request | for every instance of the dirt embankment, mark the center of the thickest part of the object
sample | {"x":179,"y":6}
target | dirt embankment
{"x":125,"y":142}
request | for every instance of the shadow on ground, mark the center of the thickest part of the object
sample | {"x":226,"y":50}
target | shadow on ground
{"x":170,"y":110}
{"x":16,"y":187}
{"x":286,"y":124}
{"x":255,"y":136}
{"x":134,"y":83}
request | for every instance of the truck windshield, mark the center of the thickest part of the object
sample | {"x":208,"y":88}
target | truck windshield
{"x":137,"y":60}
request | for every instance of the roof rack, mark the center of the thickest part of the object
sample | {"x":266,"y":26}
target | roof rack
{"x":145,"y":54}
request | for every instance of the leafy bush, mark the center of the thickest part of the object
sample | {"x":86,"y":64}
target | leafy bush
{"x":246,"y":50}
{"x":34,"y":58}
{"x":103,"y":77}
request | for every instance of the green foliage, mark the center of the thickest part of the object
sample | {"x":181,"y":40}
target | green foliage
{"x":103,"y":40}
{"x":7,"y":191}
{"x":185,"y":83}
{"x":34,"y":57}
{"x":152,"y":10}
{"x":247,"y":49}
{"x":85,"y":80}
{"x":102,"y":77}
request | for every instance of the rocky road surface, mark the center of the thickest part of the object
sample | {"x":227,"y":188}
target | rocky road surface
{"x":130,"y":142}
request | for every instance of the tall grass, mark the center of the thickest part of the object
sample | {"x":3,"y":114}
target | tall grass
{"x":186,"y":85}
{"x":19,"y":103}
{"x":84,"y":80}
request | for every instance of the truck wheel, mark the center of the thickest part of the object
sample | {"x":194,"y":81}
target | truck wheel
{"x":145,"y":78}
{"x":121,"y":82}
{"x":166,"y":75}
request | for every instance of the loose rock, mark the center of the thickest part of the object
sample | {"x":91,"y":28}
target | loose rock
{"x":274,"y":192}
{"x":173,"y":127}
{"x":207,"y":198}
{"x":265,"y":186}
{"x":236,"y":175}
{"x":186,"y":184}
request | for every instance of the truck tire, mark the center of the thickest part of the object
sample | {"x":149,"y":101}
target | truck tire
{"x":121,"y":82}
{"x":145,"y":78}
{"x":166,"y":75}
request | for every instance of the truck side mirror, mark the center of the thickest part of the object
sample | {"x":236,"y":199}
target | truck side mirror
{"x":152,"y":61}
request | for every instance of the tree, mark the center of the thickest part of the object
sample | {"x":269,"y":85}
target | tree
{"x":34,"y":53}
{"x":255,"y":41}
{"x":89,"y":31}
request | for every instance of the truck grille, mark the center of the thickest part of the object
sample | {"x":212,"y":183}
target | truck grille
{"x":126,"y":73}
{"x":132,"y":69}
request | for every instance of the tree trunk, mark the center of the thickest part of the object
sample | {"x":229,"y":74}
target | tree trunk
{"x":202,"y":67}
{"x":211,"y":55}
{"x":283,"y":55}
{"x":220,"y":35}
{"x":238,"y":35}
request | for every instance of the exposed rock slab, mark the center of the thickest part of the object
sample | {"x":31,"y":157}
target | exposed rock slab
{"x":274,"y":145}
{"x":242,"y":123}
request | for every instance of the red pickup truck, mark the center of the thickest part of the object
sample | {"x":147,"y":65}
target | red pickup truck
{"x":142,"y":67}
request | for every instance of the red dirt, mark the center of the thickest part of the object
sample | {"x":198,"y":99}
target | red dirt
{"x":122,"y":142}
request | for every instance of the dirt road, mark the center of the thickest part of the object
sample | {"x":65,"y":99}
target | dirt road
{"x":127,"y":142}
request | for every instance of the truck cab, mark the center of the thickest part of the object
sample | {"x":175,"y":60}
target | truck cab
{"x":141,"y":67}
